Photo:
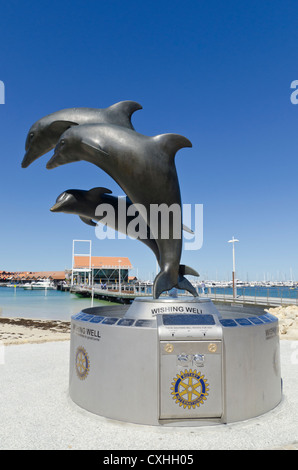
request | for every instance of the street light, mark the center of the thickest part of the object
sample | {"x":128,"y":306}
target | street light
{"x":119,"y":261}
{"x":234,"y":269}
{"x":92,"y":285}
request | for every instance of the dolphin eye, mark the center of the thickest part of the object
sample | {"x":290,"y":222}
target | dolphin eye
{"x":31,"y":135}
{"x":62,"y":142}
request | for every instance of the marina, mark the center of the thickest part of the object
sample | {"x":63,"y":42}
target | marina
{"x":59,"y":304}
{"x":40,"y":285}
{"x":108,"y":279}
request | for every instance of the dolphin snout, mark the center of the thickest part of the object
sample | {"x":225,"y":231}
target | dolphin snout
{"x":55,"y":207}
{"x":27,"y":160}
{"x":25,"y":164}
{"x":50,"y":166}
{"x":52,"y":162}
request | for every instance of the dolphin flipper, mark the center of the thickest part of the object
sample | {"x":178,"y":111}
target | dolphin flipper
{"x":88,"y":221}
{"x":187,"y":229}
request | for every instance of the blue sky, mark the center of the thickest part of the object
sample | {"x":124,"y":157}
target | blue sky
{"x":217,"y":72}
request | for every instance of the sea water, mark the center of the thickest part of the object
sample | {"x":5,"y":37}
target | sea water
{"x":41,"y":304}
{"x":57,"y":305}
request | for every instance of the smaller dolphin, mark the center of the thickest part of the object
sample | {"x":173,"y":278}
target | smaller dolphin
{"x":45,"y":133}
{"x":84,"y":203}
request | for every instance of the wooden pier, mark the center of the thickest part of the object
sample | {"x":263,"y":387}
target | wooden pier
{"x":112,"y":294}
{"x":129,"y":293}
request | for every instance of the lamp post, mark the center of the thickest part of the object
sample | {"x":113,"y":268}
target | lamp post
{"x":119,"y":261}
{"x":92,"y":285}
{"x":234,"y":269}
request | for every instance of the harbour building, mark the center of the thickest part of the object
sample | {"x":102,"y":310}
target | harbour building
{"x":21,"y":277}
{"x":100,"y":270}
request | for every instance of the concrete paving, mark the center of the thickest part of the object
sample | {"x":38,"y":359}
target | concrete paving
{"x":37,"y":413}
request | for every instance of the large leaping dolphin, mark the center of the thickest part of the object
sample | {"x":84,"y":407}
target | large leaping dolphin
{"x":84,"y":204}
{"x":45,"y":133}
{"x":144,"y":168}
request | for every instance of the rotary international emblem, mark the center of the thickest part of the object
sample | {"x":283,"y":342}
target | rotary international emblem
{"x":82,"y":363}
{"x":190,"y":389}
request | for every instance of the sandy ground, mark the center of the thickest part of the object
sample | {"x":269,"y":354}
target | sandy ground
{"x":41,"y":374}
{"x":37,"y":413}
{"x":25,"y":330}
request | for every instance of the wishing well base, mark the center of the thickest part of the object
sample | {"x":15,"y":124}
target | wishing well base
{"x":175,"y":361}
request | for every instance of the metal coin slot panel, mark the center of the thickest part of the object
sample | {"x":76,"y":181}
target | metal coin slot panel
{"x":190,"y":360}
{"x":191,"y":379}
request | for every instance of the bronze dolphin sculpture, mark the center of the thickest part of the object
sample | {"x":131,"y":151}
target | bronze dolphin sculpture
{"x":45,"y":133}
{"x":84,"y":203}
{"x":144,"y":168}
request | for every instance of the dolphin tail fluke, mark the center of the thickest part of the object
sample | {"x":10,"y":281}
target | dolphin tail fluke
{"x":123,"y":112}
{"x":183,"y":270}
{"x":184,"y":284}
{"x":162,"y":283}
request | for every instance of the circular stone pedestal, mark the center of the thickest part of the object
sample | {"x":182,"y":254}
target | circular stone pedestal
{"x":175,"y":361}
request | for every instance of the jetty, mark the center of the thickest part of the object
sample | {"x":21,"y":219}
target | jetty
{"x":129,"y":292}
{"x":112,"y":293}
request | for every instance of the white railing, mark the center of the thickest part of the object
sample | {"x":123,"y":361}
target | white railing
{"x":256,"y":296}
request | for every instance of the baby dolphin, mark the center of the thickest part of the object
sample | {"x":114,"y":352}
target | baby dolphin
{"x":144,"y":168}
{"x":45,"y":133}
{"x":84,"y":203}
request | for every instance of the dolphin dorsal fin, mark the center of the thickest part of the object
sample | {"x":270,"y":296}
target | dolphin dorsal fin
{"x":171,"y":143}
{"x":87,"y":221}
{"x":123,"y":112}
{"x":61,"y":126}
{"x":97,"y":192}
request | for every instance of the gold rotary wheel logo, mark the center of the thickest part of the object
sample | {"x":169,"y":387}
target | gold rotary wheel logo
{"x":82,"y":363}
{"x":190,"y":389}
